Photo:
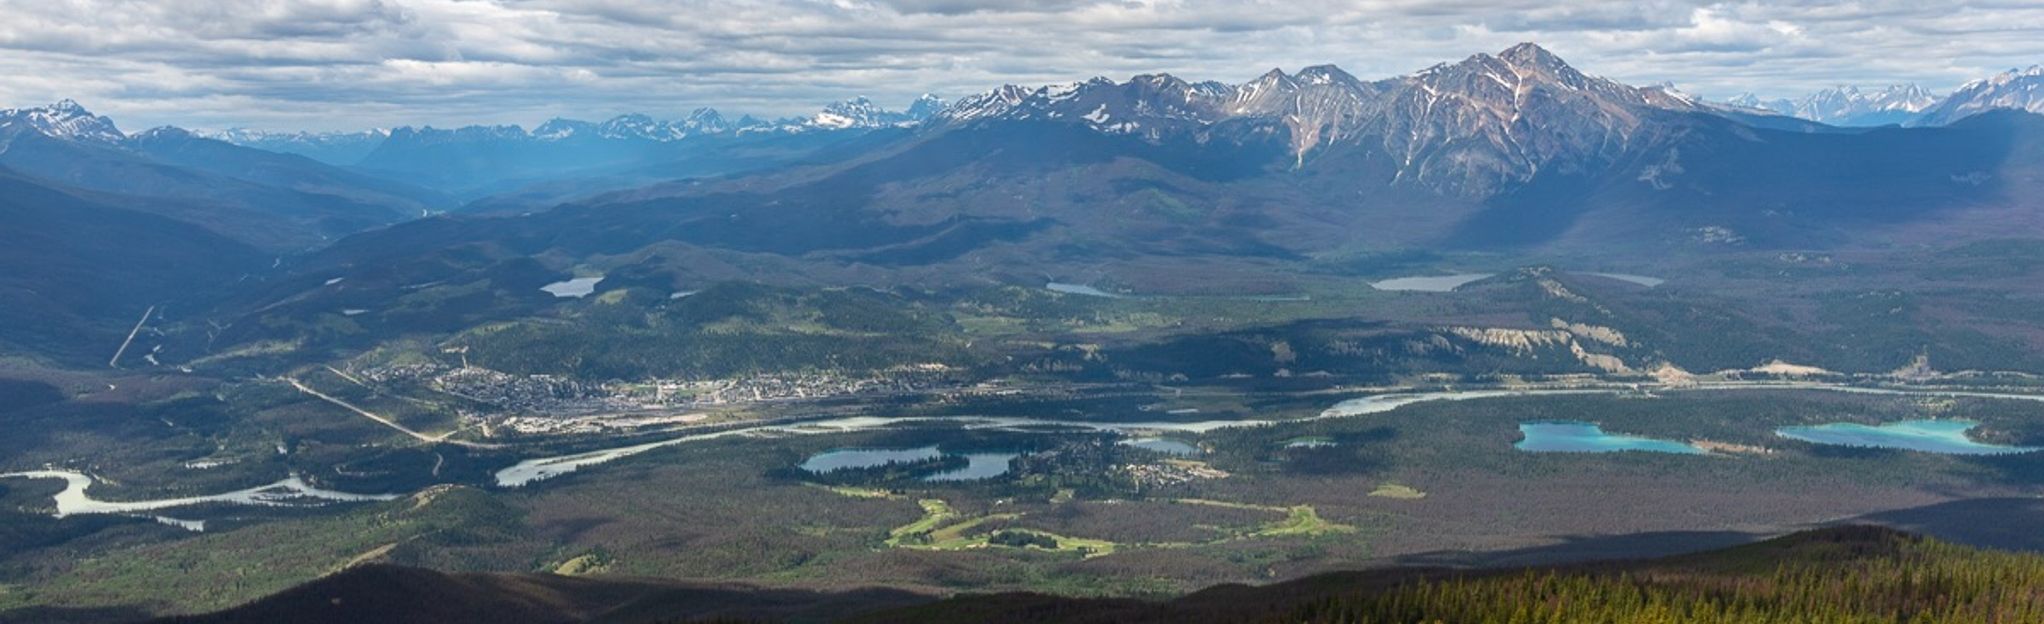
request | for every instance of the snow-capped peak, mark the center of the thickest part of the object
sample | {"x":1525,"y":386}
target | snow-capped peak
{"x":706,"y":120}
{"x":2019,"y":89}
{"x":1324,"y":75}
{"x":1849,"y":105}
{"x":164,"y":133}
{"x":558,"y":129}
{"x":65,"y":119}
{"x":857,"y":112}
{"x":1750,"y":101}
{"x":244,"y":136}
{"x":861,"y":112}
{"x":2012,"y":75}
{"x":925,"y":107}
{"x":1530,"y":54}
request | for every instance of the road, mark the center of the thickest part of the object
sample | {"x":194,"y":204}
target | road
{"x":422,"y":437}
{"x":116,"y":361}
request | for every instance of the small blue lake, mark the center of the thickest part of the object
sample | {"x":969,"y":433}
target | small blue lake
{"x":843,"y":459}
{"x":978,"y":466}
{"x":1164,"y":445}
{"x":1947,"y":437}
{"x":573,"y":289}
{"x":1568,"y":436}
{"x":1084,"y":290}
{"x":1428,"y":283}
{"x":1642,"y":280}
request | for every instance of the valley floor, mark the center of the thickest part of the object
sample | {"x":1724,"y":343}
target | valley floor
{"x":1317,"y":480}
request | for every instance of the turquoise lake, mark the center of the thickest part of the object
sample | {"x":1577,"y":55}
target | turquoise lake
{"x":1551,"y":436}
{"x":1947,"y":437}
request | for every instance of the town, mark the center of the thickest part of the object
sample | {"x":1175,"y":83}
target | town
{"x":554,"y":405}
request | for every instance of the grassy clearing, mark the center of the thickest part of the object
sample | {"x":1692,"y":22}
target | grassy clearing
{"x":584,"y":565}
{"x":857,"y":492}
{"x":1400,"y":492}
{"x":992,"y":325}
{"x":1089,"y":547}
{"x":1298,"y":520}
{"x":943,"y":528}
{"x":1302,"y":520}
{"x":935,"y":513}
{"x":958,"y":536}
{"x":1122,"y":323}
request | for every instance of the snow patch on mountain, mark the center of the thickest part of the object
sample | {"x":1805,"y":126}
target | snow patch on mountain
{"x":2017,"y":89}
{"x":1846,"y":105}
{"x":860,"y":112}
{"x":64,"y":120}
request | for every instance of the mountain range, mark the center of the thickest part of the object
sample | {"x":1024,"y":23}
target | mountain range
{"x":333,"y":148}
{"x":352,"y":148}
{"x":1467,"y":128}
{"x":2016,"y":89}
{"x":1908,"y":104}
{"x":276,"y":201}
{"x":1850,"y":106}
{"x":1510,"y":151}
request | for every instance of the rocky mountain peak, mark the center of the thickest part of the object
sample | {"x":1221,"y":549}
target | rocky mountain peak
{"x":1531,"y":55}
{"x":1266,"y":92}
{"x":558,"y":129}
{"x":638,"y":126}
{"x":1324,"y":75}
{"x":925,"y":107}
{"x":858,"y":112}
{"x":2018,"y":89}
{"x":66,"y":119}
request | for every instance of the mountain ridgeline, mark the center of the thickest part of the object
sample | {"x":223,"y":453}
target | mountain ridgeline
{"x":1516,"y":151}
{"x":1850,"y":105}
{"x":1513,"y":151}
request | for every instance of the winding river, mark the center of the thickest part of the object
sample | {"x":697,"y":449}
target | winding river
{"x":294,"y":491}
{"x":290,"y":492}
{"x":532,"y":470}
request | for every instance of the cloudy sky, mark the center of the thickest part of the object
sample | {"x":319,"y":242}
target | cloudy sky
{"x":348,"y":64}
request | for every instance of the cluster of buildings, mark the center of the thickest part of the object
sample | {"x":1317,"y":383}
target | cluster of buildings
{"x":550,"y":404}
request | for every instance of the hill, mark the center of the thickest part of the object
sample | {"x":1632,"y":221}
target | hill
{"x":82,"y":271}
{"x":1843,"y":574}
{"x":398,"y":595}
{"x":276,"y":202}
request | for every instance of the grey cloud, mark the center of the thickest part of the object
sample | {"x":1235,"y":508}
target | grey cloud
{"x":960,"y":7}
{"x":300,"y":19}
{"x":340,"y":64}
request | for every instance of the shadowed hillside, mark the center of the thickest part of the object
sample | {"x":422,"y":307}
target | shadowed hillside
{"x":1844,"y":574}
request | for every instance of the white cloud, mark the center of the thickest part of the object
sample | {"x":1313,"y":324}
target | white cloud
{"x":356,"y":63}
